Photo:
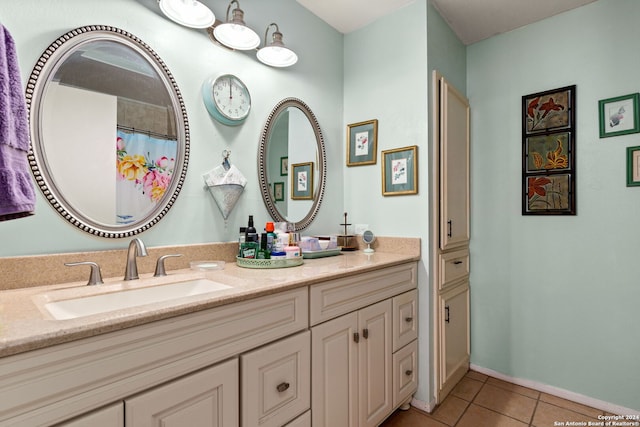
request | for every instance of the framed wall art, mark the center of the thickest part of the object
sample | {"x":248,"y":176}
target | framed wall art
{"x":619,"y":116}
{"x":400,"y":171}
{"x":633,"y":166}
{"x":362,"y":143}
{"x":302,"y":181}
{"x":284,"y":166}
{"x":278,"y":191}
{"x":549,"y":152}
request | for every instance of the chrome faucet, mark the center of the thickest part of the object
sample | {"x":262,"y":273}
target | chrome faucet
{"x":136,"y":248}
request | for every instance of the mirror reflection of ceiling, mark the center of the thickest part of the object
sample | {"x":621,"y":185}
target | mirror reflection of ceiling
{"x":123,"y":72}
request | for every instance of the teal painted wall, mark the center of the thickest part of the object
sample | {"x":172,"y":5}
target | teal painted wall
{"x":555,"y":299}
{"x":191,"y":56}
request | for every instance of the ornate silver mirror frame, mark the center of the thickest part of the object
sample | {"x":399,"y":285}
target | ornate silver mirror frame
{"x":265,"y":180}
{"x":42,"y":76}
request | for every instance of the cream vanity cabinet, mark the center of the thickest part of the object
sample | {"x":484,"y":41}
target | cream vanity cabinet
{"x":174,"y":372}
{"x":450,"y":253}
{"x":363,"y":341}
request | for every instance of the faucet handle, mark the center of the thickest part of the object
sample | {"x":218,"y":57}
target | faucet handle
{"x":95,"y":278}
{"x":160,"y":271}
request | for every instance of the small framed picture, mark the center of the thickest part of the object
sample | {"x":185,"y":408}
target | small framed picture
{"x":278,"y":191}
{"x":400,"y":171}
{"x":302,"y":181}
{"x":551,"y":110}
{"x":619,"y":116}
{"x":284,"y":166}
{"x":633,"y":166}
{"x":549,"y":194}
{"x":362,"y":143}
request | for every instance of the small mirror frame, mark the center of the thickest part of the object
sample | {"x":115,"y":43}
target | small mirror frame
{"x":38,"y":80}
{"x":262,"y":162}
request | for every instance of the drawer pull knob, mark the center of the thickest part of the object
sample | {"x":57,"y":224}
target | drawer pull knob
{"x":365,"y":333}
{"x":408,"y":319}
{"x":356,"y":337}
{"x":408,"y":372}
{"x":283,"y":387}
{"x":457,"y":262}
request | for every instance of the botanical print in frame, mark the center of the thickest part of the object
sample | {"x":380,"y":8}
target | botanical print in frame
{"x":400,"y":171}
{"x":549,"y":194}
{"x":619,"y":116}
{"x":548,"y":152}
{"x":284,"y":166}
{"x":362,"y":143}
{"x":278,"y":191}
{"x":302,"y":181}
{"x":633,"y":166}
{"x":549,"y":110}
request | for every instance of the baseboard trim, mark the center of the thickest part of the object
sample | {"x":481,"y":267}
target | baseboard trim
{"x":558,"y":392}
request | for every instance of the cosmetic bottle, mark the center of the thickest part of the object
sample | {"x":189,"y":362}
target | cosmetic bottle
{"x":271,"y":236}
{"x":251,"y":235}
{"x":263,"y":252}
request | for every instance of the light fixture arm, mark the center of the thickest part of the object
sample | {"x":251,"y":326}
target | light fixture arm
{"x":266,"y":33}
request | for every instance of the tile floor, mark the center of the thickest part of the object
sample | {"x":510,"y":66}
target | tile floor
{"x":482,"y":401}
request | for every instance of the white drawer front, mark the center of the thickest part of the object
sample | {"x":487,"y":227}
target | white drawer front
{"x":405,"y":319}
{"x":337,"y":297}
{"x":453,"y":266}
{"x":276,"y":382}
{"x":405,"y":373}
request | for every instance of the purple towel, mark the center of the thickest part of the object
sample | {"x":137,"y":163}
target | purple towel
{"x":17,"y":196}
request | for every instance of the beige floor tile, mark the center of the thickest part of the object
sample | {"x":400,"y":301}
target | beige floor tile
{"x":506,"y":402}
{"x":467,"y":389}
{"x":477,"y":416}
{"x":476,"y":376}
{"x":572,"y":406}
{"x":547,"y":415}
{"x":534,"y":394}
{"x":411,"y":418}
{"x":450,"y":410}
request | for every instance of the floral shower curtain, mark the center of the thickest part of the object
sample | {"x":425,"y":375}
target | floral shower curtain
{"x":144,"y":169}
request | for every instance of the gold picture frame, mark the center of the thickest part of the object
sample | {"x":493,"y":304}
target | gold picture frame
{"x":400,"y":171}
{"x":362,"y":143}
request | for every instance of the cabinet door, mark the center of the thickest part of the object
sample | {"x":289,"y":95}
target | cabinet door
{"x":375,"y":363}
{"x":334,"y":372}
{"x":111,"y":416}
{"x":405,"y":373}
{"x":454,"y":167}
{"x":405,"y":319}
{"x":204,"y":399}
{"x":454,"y":335}
{"x":276,"y":382}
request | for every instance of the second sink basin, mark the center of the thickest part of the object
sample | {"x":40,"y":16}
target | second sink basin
{"x":103,"y":303}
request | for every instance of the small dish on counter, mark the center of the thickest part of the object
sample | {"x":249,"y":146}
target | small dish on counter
{"x":207,"y":265}
{"x":269,"y":263}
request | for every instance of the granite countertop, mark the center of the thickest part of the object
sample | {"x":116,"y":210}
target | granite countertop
{"x":26,"y":325}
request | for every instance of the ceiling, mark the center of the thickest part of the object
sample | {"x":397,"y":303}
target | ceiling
{"x":471,"y":20}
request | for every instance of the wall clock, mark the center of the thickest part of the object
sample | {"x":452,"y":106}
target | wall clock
{"x":227,"y":99}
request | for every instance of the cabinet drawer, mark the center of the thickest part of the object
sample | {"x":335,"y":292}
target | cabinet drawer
{"x":453,"y":266}
{"x":111,"y":416}
{"x":405,"y":319}
{"x":337,"y":297}
{"x":276,"y":382}
{"x":303,"y":420}
{"x":405,"y":373}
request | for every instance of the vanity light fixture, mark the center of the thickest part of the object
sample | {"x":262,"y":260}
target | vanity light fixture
{"x":234,"y":33}
{"x":190,"y":13}
{"x":276,"y":54}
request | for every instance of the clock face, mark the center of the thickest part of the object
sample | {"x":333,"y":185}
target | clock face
{"x":227,"y":99}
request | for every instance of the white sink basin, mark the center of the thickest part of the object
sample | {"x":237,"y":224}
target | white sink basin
{"x":86,"y":306}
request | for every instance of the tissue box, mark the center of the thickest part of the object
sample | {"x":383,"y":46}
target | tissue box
{"x":308,"y":244}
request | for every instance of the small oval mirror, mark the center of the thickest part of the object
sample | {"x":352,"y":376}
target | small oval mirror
{"x":292,"y":163}
{"x":368,"y":237}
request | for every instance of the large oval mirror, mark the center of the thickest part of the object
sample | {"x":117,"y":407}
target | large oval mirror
{"x":109,"y":131}
{"x":292,"y":163}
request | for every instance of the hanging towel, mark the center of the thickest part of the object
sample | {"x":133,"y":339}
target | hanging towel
{"x":17,"y":195}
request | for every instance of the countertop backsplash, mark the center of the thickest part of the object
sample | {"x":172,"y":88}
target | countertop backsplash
{"x":49,"y":269}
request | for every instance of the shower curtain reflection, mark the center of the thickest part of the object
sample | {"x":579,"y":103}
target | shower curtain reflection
{"x":144,"y":167}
